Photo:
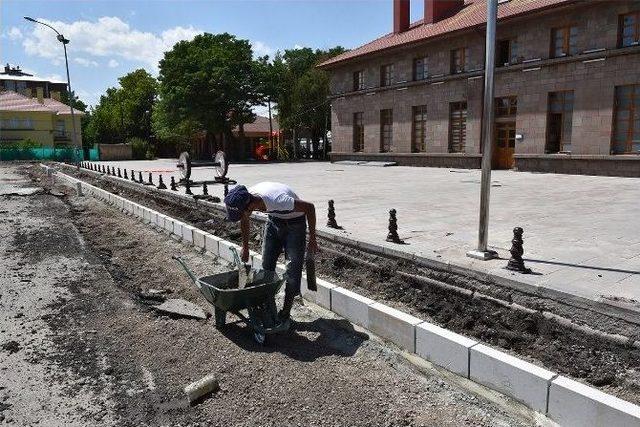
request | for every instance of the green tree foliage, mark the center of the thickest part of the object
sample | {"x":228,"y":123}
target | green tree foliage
{"x":125,"y":111}
{"x":208,"y":83}
{"x":303,"y":90}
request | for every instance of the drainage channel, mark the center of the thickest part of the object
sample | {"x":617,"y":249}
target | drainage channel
{"x":579,"y":343}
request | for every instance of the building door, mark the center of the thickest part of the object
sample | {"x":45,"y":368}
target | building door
{"x":504,"y":145}
{"x":559,"y":122}
{"x":504,"y":134}
{"x":554,"y":136}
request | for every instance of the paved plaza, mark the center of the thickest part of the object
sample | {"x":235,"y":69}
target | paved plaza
{"x":580,"y":232}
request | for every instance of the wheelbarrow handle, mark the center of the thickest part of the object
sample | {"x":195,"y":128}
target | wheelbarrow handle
{"x":189,"y":272}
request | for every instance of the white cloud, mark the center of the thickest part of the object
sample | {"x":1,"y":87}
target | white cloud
{"x":85,"y":62}
{"x":14,"y":33}
{"x":108,"y":36}
{"x":261,"y":49}
{"x":113,"y":63}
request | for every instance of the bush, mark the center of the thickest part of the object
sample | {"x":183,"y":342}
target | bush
{"x":141,"y":149}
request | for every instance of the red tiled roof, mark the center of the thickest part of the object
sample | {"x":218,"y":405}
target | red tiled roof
{"x":13,"y":101}
{"x":473,"y":14}
{"x":260,"y":125}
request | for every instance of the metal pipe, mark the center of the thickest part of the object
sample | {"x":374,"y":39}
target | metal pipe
{"x":482,"y":251}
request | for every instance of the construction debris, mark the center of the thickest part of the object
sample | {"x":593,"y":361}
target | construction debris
{"x":201,"y":388}
{"x":181,"y":308}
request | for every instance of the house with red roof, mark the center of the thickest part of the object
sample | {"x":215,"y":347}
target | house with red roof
{"x":33,"y":111}
{"x":567,"y":88}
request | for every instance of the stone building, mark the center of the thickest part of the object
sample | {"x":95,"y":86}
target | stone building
{"x":567,"y":88}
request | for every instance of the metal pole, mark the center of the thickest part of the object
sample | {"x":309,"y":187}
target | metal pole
{"x":482,"y":252}
{"x":73,"y":116}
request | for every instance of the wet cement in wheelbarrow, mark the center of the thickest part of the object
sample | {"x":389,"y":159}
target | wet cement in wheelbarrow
{"x":131,"y":365}
{"x":611,"y":367}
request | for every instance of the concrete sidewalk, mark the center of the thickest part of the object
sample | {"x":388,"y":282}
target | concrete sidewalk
{"x":580,"y":236}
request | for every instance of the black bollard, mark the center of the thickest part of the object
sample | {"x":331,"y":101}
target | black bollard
{"x":140,"y":177}
{"x":393,"y":228}
{"x":125,"y":175}
{"x":119,"y":174}
{"x":205,"y":190}
{"x":331,"y":217}
{"x":187,"y":188}
{"x":516,"y":263}
{"x":150,"y":179}
{"x":133,"y":176}
{"x":173,"y":184}
{"x":226,"y":190}
{"x":161,"y":185}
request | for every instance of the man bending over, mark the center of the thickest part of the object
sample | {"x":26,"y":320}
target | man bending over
{"x":285,"y":229}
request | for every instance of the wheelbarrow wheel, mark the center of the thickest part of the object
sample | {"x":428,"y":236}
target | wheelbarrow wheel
{"x":221,"y":317}
{"x":260,"y":337}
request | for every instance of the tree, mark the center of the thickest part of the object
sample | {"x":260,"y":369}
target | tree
{"x":209,"y":81}
{"x":303,"y":96}
{"x":124,"y":112}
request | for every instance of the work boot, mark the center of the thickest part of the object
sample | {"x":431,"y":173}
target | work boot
{"x":285,"y":313}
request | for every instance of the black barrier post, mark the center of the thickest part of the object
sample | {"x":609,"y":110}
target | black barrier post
{"x":393,"y":228}
{"x":173,"y":184}
{"x":161,"y":185}
{"x":331,"y":217}
{"x":516,"y":263}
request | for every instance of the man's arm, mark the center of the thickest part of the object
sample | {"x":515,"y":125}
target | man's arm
{"x":309,"y":210}
{"x":245,"y":225}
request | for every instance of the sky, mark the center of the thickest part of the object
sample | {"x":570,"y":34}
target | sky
{"x":110,"y":38}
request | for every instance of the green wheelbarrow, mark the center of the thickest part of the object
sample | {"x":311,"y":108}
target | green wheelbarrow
{"x":257,"y":298}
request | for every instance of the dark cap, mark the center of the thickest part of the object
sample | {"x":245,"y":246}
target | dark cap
{"x":236,"y":202}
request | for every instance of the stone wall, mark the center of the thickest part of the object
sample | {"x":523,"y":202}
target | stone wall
{"x":592,"y":75}
{"x":115,"y":152}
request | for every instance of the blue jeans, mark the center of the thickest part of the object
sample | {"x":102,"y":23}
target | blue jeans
{"x":290,"y":235}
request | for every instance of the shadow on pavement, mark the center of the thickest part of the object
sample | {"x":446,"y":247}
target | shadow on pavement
{"x":588,"y":267}
{"x":305,"y":341}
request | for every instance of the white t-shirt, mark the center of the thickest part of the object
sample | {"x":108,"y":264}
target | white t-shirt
{"x":278,"y":199}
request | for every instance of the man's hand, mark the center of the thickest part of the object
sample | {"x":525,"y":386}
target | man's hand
{"x":244,"y":256}
{"x":312,"y":246}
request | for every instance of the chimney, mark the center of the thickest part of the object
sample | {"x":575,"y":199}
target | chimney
{"x":400,"y":16}
{"x":55,"y":95}
{"x":40,"y":94}
{"x":437,"y":10}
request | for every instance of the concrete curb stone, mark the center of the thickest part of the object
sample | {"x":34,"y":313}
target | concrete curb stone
{"x":350,"y":305}
{"x":444,"y":348}
{"x":573,"y":404}
{"x":394,"y":325}
{"x":509,"y":375}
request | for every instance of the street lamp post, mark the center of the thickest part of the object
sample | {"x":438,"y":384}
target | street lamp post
{"x":483,"y":252}
{"x":65,"y":42}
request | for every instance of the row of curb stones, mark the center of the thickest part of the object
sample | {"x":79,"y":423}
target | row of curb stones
{"x":567,"y":402}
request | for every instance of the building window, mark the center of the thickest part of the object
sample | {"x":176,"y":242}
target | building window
{"x":358,"y":80}
{"x":16,"y":124}
{"x":507,"y":53}
{"x":386,"y":75}
{"x":386,"y":130}
{"x":564,"y":41}
{"x":629,"y":29}
{"x":358,"y":132}
{"x":459,"y":58}
{"x":559,"y":122}
{"x":506,"y":107}
{"x":457,"y":127}
{"x":420,"y":68}
{"x":626,"y":116}
{"x":419,"y":129}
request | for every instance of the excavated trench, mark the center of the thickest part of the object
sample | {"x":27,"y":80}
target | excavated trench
{"x":583,"y":344}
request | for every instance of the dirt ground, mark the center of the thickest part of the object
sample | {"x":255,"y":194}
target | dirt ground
{"x":80,"y":346}
{"x":614,"y":368}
